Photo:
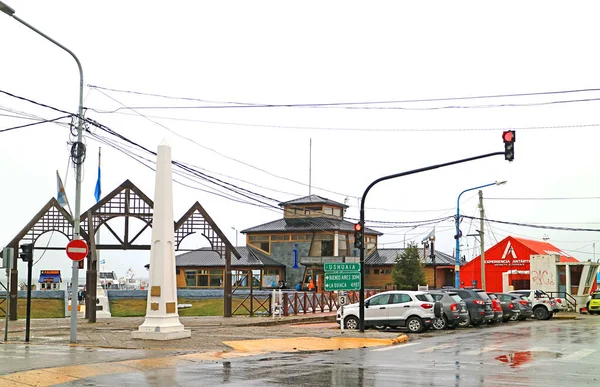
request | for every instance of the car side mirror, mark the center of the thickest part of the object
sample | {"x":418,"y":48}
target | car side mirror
{"x":366,"y":304}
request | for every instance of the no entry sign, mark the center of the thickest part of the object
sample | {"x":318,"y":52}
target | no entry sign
{"x":77,"y":249}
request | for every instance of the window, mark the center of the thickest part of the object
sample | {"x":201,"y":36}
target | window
{"x":456,"y":297}
{"x":337,"y":212}
{"x":204,"y":278}
{"x":424,"y":297}
{"x":280,"y":237}
{"x":327,"y":210}
{"x":367,"y":271}
{"x":464,"y":294}
{"x":382,"y":299}
{"x":437,"y":297}
{"x":375,"y":271}
{"x":259,"y":241}
{"x":576,"y":271}
{"x":301,"y":237}
{"x":326,"y":248}
{"x":401,"y":298}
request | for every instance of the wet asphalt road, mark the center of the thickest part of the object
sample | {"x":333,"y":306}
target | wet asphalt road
{"x":531,"y":353}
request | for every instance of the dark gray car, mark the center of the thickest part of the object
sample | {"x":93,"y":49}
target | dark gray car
{"x":454,"y":310}
{"x":510,"y":307}
{"x":524,"y":305}
{"x":478,"y":303}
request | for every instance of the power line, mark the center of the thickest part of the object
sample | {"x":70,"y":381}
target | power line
{"x":34,"y":123}
{"x":550,"y":198}
{"x":349,"y":104}
{"x":537,"y":225}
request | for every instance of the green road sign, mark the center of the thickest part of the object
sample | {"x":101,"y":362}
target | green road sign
{"x":342,"y":280}
{"x":341,"y":266}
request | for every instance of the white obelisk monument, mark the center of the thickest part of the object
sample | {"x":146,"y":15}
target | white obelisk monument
{"x":162,"y":318}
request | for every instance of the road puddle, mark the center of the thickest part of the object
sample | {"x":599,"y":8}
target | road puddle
{"x":521,"y":358}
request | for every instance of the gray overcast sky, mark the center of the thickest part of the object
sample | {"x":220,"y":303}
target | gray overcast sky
{"x":313,"y":52}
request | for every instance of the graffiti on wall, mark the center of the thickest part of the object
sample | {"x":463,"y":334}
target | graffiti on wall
{"x":542,"y":277}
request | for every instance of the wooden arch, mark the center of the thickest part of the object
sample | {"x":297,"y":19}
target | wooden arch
{"x":126,"y":201}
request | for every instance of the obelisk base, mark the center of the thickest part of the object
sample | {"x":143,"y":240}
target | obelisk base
{"x":161,"y":328}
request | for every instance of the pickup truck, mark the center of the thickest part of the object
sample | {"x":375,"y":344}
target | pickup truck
{"x":544,"y":306}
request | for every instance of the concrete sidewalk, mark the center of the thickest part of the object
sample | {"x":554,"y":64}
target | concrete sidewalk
{"x":208,"y":333}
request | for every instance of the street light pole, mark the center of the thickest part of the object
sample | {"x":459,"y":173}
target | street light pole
{"x":236,"y":236}
{"x":78,"y":156}
{"x":457,"y":225}
{"x":412,"y":228}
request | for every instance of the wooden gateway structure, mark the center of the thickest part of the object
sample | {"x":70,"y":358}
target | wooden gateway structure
{"x":128,"y":202}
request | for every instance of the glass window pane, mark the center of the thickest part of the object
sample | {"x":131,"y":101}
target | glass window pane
{"x":202,"y":280}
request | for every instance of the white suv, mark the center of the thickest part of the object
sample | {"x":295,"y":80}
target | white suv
{"x":397,"y":308}
{"x":544,"y":306}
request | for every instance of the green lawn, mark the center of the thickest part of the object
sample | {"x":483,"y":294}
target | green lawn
{"x":40,"y":308}
{"x":127,"y":307}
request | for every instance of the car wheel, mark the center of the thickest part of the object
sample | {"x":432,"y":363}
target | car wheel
{"x":414,"y":325}
{"x":440,"y":323}
{"x":541,"y":313}
{"x":513,"y":318}
{"x":351,"y":322}
{"x":465,"y":323}
{"x":380,"y":327}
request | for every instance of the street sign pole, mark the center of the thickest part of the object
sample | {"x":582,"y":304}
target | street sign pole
{"x":76,"y":250}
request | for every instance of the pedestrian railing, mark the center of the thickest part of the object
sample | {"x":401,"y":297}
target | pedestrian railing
{"x":295,"y":303}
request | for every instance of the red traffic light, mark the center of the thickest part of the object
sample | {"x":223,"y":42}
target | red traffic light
{"x":508,"y":136}
{"x":357,"y":227}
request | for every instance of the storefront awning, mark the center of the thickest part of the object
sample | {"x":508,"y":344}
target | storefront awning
{"x":49,"y":278}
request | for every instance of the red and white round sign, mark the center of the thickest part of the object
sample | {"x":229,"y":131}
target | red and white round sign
{"x":77,"y":249}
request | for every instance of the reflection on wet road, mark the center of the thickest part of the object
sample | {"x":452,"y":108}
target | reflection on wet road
{"x":532,"y":353}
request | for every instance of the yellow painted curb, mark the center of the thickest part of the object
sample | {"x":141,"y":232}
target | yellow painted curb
{"x":305,"y":344}
{"x":400,"y":339}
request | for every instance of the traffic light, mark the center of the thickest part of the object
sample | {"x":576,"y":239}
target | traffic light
{"x":508,"y":137}
{"x":358,"y":236}
{"x":27,"y":252}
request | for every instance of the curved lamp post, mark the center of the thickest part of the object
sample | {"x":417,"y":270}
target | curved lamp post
{"x":457,"y":236}
{"x":77,"y":153}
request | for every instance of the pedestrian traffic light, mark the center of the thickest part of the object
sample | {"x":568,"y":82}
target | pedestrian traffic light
{"x":508,"y":137}
{"x":26,"y":253}
{"x":358,"y":236}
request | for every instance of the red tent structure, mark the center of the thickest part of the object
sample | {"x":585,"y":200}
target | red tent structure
{"x":510,"y":255}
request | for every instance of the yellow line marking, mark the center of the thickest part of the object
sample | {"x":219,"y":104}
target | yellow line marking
{"x":304,"y":344}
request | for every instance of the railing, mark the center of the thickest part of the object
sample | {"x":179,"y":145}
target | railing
{"x":571,"y":301}
{"x":294,"y":303}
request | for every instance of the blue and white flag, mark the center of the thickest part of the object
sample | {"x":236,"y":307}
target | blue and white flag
{"x":430,"y":236}
{"x":98,"y":190}
{"x":102,"y":261}
{"x":61,"y":195}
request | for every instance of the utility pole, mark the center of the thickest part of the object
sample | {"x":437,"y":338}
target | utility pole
{"x":481,"y":233}
{"x":432,"y":256}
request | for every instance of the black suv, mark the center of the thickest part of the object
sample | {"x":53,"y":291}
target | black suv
{"x":478,"y":304}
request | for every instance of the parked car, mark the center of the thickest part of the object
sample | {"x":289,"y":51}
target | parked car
{"x":524,"y":304}
{"x":497,"y":308}
{"x":594,"y":304}
{"x":478,"y":303}
{"x":510,"y":306}
{"x":454,"y":310}
{"x":405,"y":309}
{"x":544,"y":306}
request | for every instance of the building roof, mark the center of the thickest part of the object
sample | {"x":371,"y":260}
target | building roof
{"x":544,"y":248}
{"x":388,"y":257}
{"x":312,"y":199}
{"x":307,"y":225}
{"x":209,"y":257}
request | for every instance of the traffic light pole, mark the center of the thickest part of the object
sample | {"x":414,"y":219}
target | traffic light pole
{"x":361,"y":294}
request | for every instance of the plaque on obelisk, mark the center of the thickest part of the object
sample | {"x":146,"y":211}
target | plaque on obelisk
{"x":162,"y":318}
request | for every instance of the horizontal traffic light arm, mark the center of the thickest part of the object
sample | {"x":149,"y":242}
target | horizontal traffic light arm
{"x":361,"y":293}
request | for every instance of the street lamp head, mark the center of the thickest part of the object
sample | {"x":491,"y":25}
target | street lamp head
{"x":501,"y":182}
{"x":6,"y":9}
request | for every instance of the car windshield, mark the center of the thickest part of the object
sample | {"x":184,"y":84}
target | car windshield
{"x":483,"y":295}
{"x":456,"y":297}
{"x":596,"y":296}
{"x":424,"y":297}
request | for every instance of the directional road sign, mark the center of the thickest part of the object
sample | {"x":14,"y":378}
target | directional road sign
{"x":342,"y":266}
{"x":342,"y":280}
{"x":77,"y":249}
